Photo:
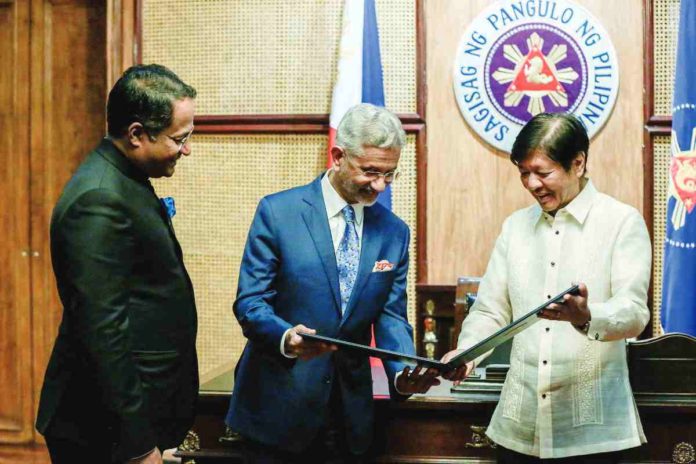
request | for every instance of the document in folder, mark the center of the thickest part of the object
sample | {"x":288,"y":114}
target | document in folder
{"x":484,"y":346}
{"x":377,"y":352}
{"x":507,"y":332}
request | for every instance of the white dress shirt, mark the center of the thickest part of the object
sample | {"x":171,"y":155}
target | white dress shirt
{"x":334,"y":204}
{"x":567,"y":393}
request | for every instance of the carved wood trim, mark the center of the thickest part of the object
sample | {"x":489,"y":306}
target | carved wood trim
{"x":648,"y":156}
{"x":659,"y":121}
{"x":670,"y":336}
{"x":120,"y":38}
{"x":282,"y":123}
{"x":421,"y":146}
{"x":138,"y":32}
{"x":422,"y":205}
{"x":655,"y":125}
{"x":648,"y":61}
{"x":479,"y":438}
{"x":35,"y":454}
{"x":192,"y":442}
{"x":683,"y":453}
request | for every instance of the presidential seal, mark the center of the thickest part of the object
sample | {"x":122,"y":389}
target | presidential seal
{"x":521,"y":58}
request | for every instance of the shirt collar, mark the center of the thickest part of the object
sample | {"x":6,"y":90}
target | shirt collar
{"x":578,"y":208}
{"x":335,"y":203}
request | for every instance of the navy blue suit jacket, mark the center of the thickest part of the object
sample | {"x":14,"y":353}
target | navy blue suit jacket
{"x":289,"y":276}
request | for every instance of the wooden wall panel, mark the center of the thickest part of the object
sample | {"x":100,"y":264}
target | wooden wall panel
{"x":471,"y":188}
{"x":68,"y":103}
{"x":29,"y":454}
{"x":15,"y":290}
{"x":121,"y":35}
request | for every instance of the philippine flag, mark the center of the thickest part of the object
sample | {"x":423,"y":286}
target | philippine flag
{"x":679,"y":272}
{"x":359,"y":77}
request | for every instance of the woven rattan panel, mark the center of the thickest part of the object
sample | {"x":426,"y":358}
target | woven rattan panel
{"x":666,"y":25}
{"x":216,"y":190}
{"x":404,"y":205}
{"x":661,"y":159}
{"x":272,"y":56}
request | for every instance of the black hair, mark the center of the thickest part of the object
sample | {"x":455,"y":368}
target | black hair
{"x":561,"y":136}
{"x":145,"y":94}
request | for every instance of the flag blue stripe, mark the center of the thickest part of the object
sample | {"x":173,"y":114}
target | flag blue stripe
{"x":372,"y":83}
{"x":685,"y":74}
{"x":679,"y":261}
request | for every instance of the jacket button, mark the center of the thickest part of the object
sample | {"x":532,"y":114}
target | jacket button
{"x":327,"y":379}
{"x":543,"y":396}
{"x":545,"y":362}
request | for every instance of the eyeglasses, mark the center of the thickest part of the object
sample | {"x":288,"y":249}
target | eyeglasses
{"x":181,"y":141}
{"x":373,"y":175}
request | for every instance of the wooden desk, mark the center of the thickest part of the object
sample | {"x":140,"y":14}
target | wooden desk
{"x":448,"y":427}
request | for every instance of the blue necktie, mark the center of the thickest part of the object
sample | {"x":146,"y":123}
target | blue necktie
{"x":348,"y":256}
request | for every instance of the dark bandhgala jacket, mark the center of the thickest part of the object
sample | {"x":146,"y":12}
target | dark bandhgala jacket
{"x":124,"y":362}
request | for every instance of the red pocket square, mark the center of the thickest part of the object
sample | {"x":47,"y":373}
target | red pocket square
{"x":383,"y":266}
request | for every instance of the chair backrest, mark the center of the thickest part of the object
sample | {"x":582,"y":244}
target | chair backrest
{"x":663,"y":365}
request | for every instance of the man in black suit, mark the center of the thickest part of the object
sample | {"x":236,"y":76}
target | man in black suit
{"x":122,"y":381}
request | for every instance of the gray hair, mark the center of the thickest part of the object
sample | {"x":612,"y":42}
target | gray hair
{"x":367,"y":125}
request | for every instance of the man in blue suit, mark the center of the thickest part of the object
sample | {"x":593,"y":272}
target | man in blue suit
{"x":326,"y":258}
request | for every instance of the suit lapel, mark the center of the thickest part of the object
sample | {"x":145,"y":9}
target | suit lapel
{"x":369,"y":249}
{"x":111,"y":154}
{"x":314,"y":216}
{"x":165,"y":216}
{"x":162,"y":210}
{"x":172,"y":234}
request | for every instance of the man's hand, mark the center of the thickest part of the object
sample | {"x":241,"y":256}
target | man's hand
{"x":573,"y":309}
{"x":295,"y":345}
{"x":460,"y":373}
{"x":154,"y":457}
{"x":410,"y":382}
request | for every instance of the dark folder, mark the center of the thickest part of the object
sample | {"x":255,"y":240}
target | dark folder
{"x":484,"y":346}
{"x":376,"y":352}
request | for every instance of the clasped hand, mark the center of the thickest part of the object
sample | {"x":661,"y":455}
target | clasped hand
{"x":418,"y":380}
{"x":461,"y":372}
{"x":573,"y":308}
{"x":409,"y":382}
{"x":153,"y":457}
{"x":295,"y":345}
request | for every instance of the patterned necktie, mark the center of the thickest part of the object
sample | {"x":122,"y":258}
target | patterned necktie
{"x":348,"y":256}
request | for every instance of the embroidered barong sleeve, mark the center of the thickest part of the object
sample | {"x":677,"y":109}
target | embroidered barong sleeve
{"x":625,"y":314}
